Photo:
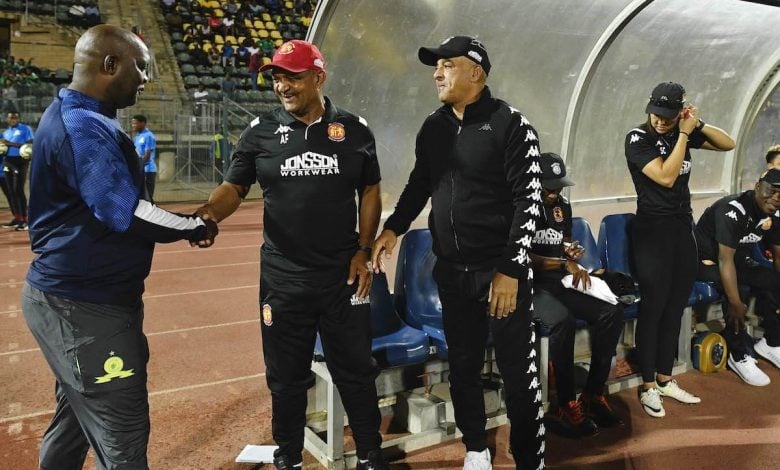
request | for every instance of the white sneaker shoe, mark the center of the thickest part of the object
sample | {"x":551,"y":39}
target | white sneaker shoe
{"x":478,"y":461}
{"x":673,"y":390}
{"x":770,"y":353}
{"x":748,"y":371}
{"x":652,"y":402}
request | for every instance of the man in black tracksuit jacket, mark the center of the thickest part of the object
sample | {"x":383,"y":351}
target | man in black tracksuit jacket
{"x":477,"y":159}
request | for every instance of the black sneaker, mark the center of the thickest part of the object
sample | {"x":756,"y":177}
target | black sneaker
{"x":21,"y":227}
{"x":375,"y":461}
{"x":11,"y":224}
{"x":597,"y":407}
{"x":576,"y":421}
{"x":284,"y":462}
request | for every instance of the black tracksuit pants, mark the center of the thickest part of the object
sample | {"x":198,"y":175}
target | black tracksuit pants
{"x":98,"y":354}
{"x":765,"y":284}
{"x":464,"y":299}
{"x":15,"y":179}
{"x":293,"y":309}
{"x":665,"y":265}
{"x":557,"y":307}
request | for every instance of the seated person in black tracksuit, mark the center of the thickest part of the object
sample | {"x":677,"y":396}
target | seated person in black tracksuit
{"x":558,"y":307}
{"x":725,"y":235}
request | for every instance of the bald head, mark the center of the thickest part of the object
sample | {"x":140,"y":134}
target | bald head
{"x":104,"y":40}
{"x":110,"y":65}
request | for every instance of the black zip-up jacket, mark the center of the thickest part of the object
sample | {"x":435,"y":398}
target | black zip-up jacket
{"x":482,"y":175}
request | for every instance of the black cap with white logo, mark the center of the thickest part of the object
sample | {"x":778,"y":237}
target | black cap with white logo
{"x":666,"y":100}
{"x":456,"y":46}
{"x":553,"y":171}
{"x":771,"y":176}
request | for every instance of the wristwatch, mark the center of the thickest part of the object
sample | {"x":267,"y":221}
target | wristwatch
{"x":365,"y":249}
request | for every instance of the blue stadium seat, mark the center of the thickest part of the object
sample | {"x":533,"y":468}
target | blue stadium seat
{"x":614,"y":248}
{"x":580,"y":231}
{"x":393,"y":343}
{"x":416,"y":294}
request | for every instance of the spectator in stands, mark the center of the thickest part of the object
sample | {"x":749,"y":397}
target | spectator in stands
{"x":92,"y":14}
{"x":296,"y":261}
{"x":214,"y":23}
{"x":94,"y":238}
{"x":200,"y":98}
{"x":206,"y":33}
{"x":9,"y":91}
{"x":15,"y":167}
{"x":228,"y":55}
{"x":267,"y":46}
{"x":214,"y":57}
{"x":242,"y":56}
{"x":228,"y":86}
{"x":146,"y":147}
{"x":664,"y":250}
{"x":230,"y":8}
{"x":773,"y":157}
{"x":725,"y":235}
{"x":255,"y":62}
{"x":274,"y":6}
{"x":191,"y":32}
{"x":485,"y":203}
{"x":229,"y":25}
{"x":256,"y":7}
{"x":554,"y":255}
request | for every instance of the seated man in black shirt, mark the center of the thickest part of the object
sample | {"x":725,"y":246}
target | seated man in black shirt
{"x":725,"y":235}
{"x":554,"y":255}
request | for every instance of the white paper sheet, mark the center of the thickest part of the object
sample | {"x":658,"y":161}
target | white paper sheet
{"x":256,"y":454}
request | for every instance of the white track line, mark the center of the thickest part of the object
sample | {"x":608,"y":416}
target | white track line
{"x":203,"y":291}
{"x":156,"y":333}
{"x":151,"y":394}
{"x":168,"y":270}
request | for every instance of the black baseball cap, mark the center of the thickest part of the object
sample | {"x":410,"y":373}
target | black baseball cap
{"x":554,"y":171}
{"x":455,"y":46}
{"x":772,"y":177}
{"x":666,"y":100}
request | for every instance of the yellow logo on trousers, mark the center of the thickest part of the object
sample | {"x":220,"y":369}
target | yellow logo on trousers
{"x":113,"y":367}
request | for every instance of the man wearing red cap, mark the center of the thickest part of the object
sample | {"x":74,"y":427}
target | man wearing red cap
{"x":311,"y":159}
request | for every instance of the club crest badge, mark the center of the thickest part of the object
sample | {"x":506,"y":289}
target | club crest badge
{"x":766,"y":224}
{"x":336,"y":132}
{"x":268,"y":318}
{"x":558,"y":214}
{"x":287,"y":48}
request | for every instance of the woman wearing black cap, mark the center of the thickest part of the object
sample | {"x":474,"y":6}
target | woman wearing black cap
{"x":664,"y":250}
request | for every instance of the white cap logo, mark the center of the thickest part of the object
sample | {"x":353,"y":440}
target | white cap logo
{"x":556,"y":168}
{"x":475,"y":55}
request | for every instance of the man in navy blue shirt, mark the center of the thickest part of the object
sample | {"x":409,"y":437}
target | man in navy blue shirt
{"x":94,"y":236}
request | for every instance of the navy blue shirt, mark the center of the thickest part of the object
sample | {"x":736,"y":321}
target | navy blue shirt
{"x":91,"y":231}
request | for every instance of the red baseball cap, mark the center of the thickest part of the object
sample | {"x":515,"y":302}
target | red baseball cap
{"x":296,"y":56}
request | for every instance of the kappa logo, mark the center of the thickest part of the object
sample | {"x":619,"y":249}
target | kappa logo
{"x":521,"y":258}
{"x":310,"y":164}
{"x":529,"y":225}
{"x":531,"y":368}
{"x":113,"y":367}
{"x":533,"y":152}
{"x":282,"y":129}
{"x":533,"y":209}
{"x":485,"y":127}
{"x":633,"y":139}
{"x":732,"y":215}
{"x":529,"y":135}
